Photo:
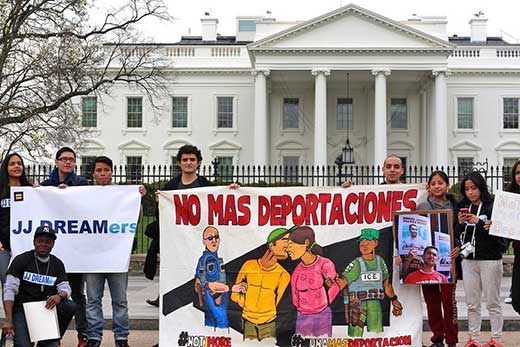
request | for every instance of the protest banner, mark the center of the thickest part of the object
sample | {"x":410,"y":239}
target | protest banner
{"x":506,"y":215}
{"x":95,"y":225}
{"x":235,"y":271}
{"x":415,"y":232}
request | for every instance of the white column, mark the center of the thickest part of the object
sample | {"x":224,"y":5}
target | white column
{"x":320,"y":117}
{"x":261,"y":150}
{"x":380,"y":141}
{"x":424,"y":126}
{"x":441,"y":118}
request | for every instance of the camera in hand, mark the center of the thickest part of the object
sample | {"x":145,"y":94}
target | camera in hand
{"x":466,"y":250}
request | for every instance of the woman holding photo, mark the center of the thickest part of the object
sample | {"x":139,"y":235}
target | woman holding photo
{"x":440,"y":299}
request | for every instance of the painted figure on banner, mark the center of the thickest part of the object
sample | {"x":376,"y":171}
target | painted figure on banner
{"x":313,"y":284}
{"x":210,"y":282}
{"x":265,"y":281}
{"x":368,"y":282}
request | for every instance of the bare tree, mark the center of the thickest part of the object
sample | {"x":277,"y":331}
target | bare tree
{"x":52,"y":52}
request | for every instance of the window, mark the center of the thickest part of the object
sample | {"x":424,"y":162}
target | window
{"x":465,"y":113}
{"x":175,"y":168}
{"x":224,"y":112}
{"x":89,"y":112}
{"x":291,"y":110}
{"x":134,"y":169}
{"x":85,"y":168}
{"x":506,"y":170}
{"x":247,"y":25}
{"x":290,"y":168}
{"x":465,"y":165}
{"x":134,"y":112}
{"x":344,"y":114}
{"x":179,"y":112}
{"x":511,"y":113}
{"x":398,"y":114}
{"x":225,"y":168}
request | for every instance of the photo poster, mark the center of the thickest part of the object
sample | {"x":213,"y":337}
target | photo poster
{"x":240,"y":289}
{"x":434,"y":229}
{"x":506,"y":215}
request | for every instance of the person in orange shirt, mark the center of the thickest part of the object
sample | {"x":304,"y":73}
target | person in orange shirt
{"x":266,"y":281}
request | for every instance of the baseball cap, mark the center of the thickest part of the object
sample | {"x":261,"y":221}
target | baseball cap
{"x":45,"y":230}
{"x":369,"y":234}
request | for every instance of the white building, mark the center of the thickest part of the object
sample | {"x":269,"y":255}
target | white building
{"x":276,"y":93}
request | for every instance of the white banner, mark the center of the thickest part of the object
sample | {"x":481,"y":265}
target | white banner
{"x":201,"y":300}
{"x":506,"y":214}
{"x":95,"y":225}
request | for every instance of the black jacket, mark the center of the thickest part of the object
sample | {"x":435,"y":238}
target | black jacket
{"x":150,"y":264}
{"x":487,"y":247}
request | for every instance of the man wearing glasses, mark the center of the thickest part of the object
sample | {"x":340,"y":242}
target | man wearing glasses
{"x":64,"y":176}
{"x":210,"y":282}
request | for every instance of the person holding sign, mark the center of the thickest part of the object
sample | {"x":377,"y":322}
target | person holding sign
{"x":117,"y":282}
{"x":36,"y":275}
{"x":63,"y":176}
{"x":482,"y":258}
{"x":514,"y":187}
{"x":12,"y":174}
{"x":440,"y":300}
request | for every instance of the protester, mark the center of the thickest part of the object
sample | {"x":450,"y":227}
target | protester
{"x":440,"y":300}
{"x":482,"y":258}
{"x":36,"y":275}
{"x":63,"y":176}
{"x":12,"y":174}
{"x":514,"y":187}
{"x":393,"y":170}
{"x":189,"y":159}
{"x":117,"y":282}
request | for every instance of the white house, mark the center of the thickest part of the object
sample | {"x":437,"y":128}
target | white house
{"x":276,"y":93}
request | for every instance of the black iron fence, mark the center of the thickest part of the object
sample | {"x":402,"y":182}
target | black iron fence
{"x":155,"y":176}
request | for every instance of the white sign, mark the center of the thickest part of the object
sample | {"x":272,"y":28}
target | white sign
{"x":42,"y":323}
{"x":95,"y":225}
{"x":213,"y":243}
{"x":506,"y":215}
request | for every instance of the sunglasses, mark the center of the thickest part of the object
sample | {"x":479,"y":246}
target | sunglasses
{"x":211,"y":237}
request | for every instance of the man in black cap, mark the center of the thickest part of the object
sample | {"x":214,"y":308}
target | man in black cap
{"x":36,"y":275}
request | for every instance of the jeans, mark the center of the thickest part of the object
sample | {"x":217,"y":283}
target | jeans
{"x":65,"y":310}
{"x":77,"y":284}
{"x":117,"y":284}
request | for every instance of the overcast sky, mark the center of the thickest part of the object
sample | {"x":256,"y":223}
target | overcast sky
{"x":502,"y":15}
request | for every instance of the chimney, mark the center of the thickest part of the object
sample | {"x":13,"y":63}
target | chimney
{"x":209,"y":28}
{"x":478,"y":27}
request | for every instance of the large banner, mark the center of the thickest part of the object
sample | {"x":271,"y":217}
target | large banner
{"x":95,"y":225}
{"x":292,"y":266}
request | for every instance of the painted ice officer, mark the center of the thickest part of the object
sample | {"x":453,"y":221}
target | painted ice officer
{"x":210,"y":282}
{"x":368,"y":282}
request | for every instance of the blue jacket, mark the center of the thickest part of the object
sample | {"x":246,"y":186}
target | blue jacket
{"x":71,"y":180}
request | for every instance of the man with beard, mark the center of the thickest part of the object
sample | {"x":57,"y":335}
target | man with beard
{"x":264,"y":282}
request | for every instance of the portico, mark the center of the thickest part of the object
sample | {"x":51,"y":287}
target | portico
{"x":389,"y":61}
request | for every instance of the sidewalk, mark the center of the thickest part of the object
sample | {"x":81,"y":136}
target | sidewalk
{"x":144,"y":316}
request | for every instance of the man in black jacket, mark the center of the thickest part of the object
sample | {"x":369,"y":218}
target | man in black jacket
{"x":189,"y":159}
{"x":64,"y":176}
